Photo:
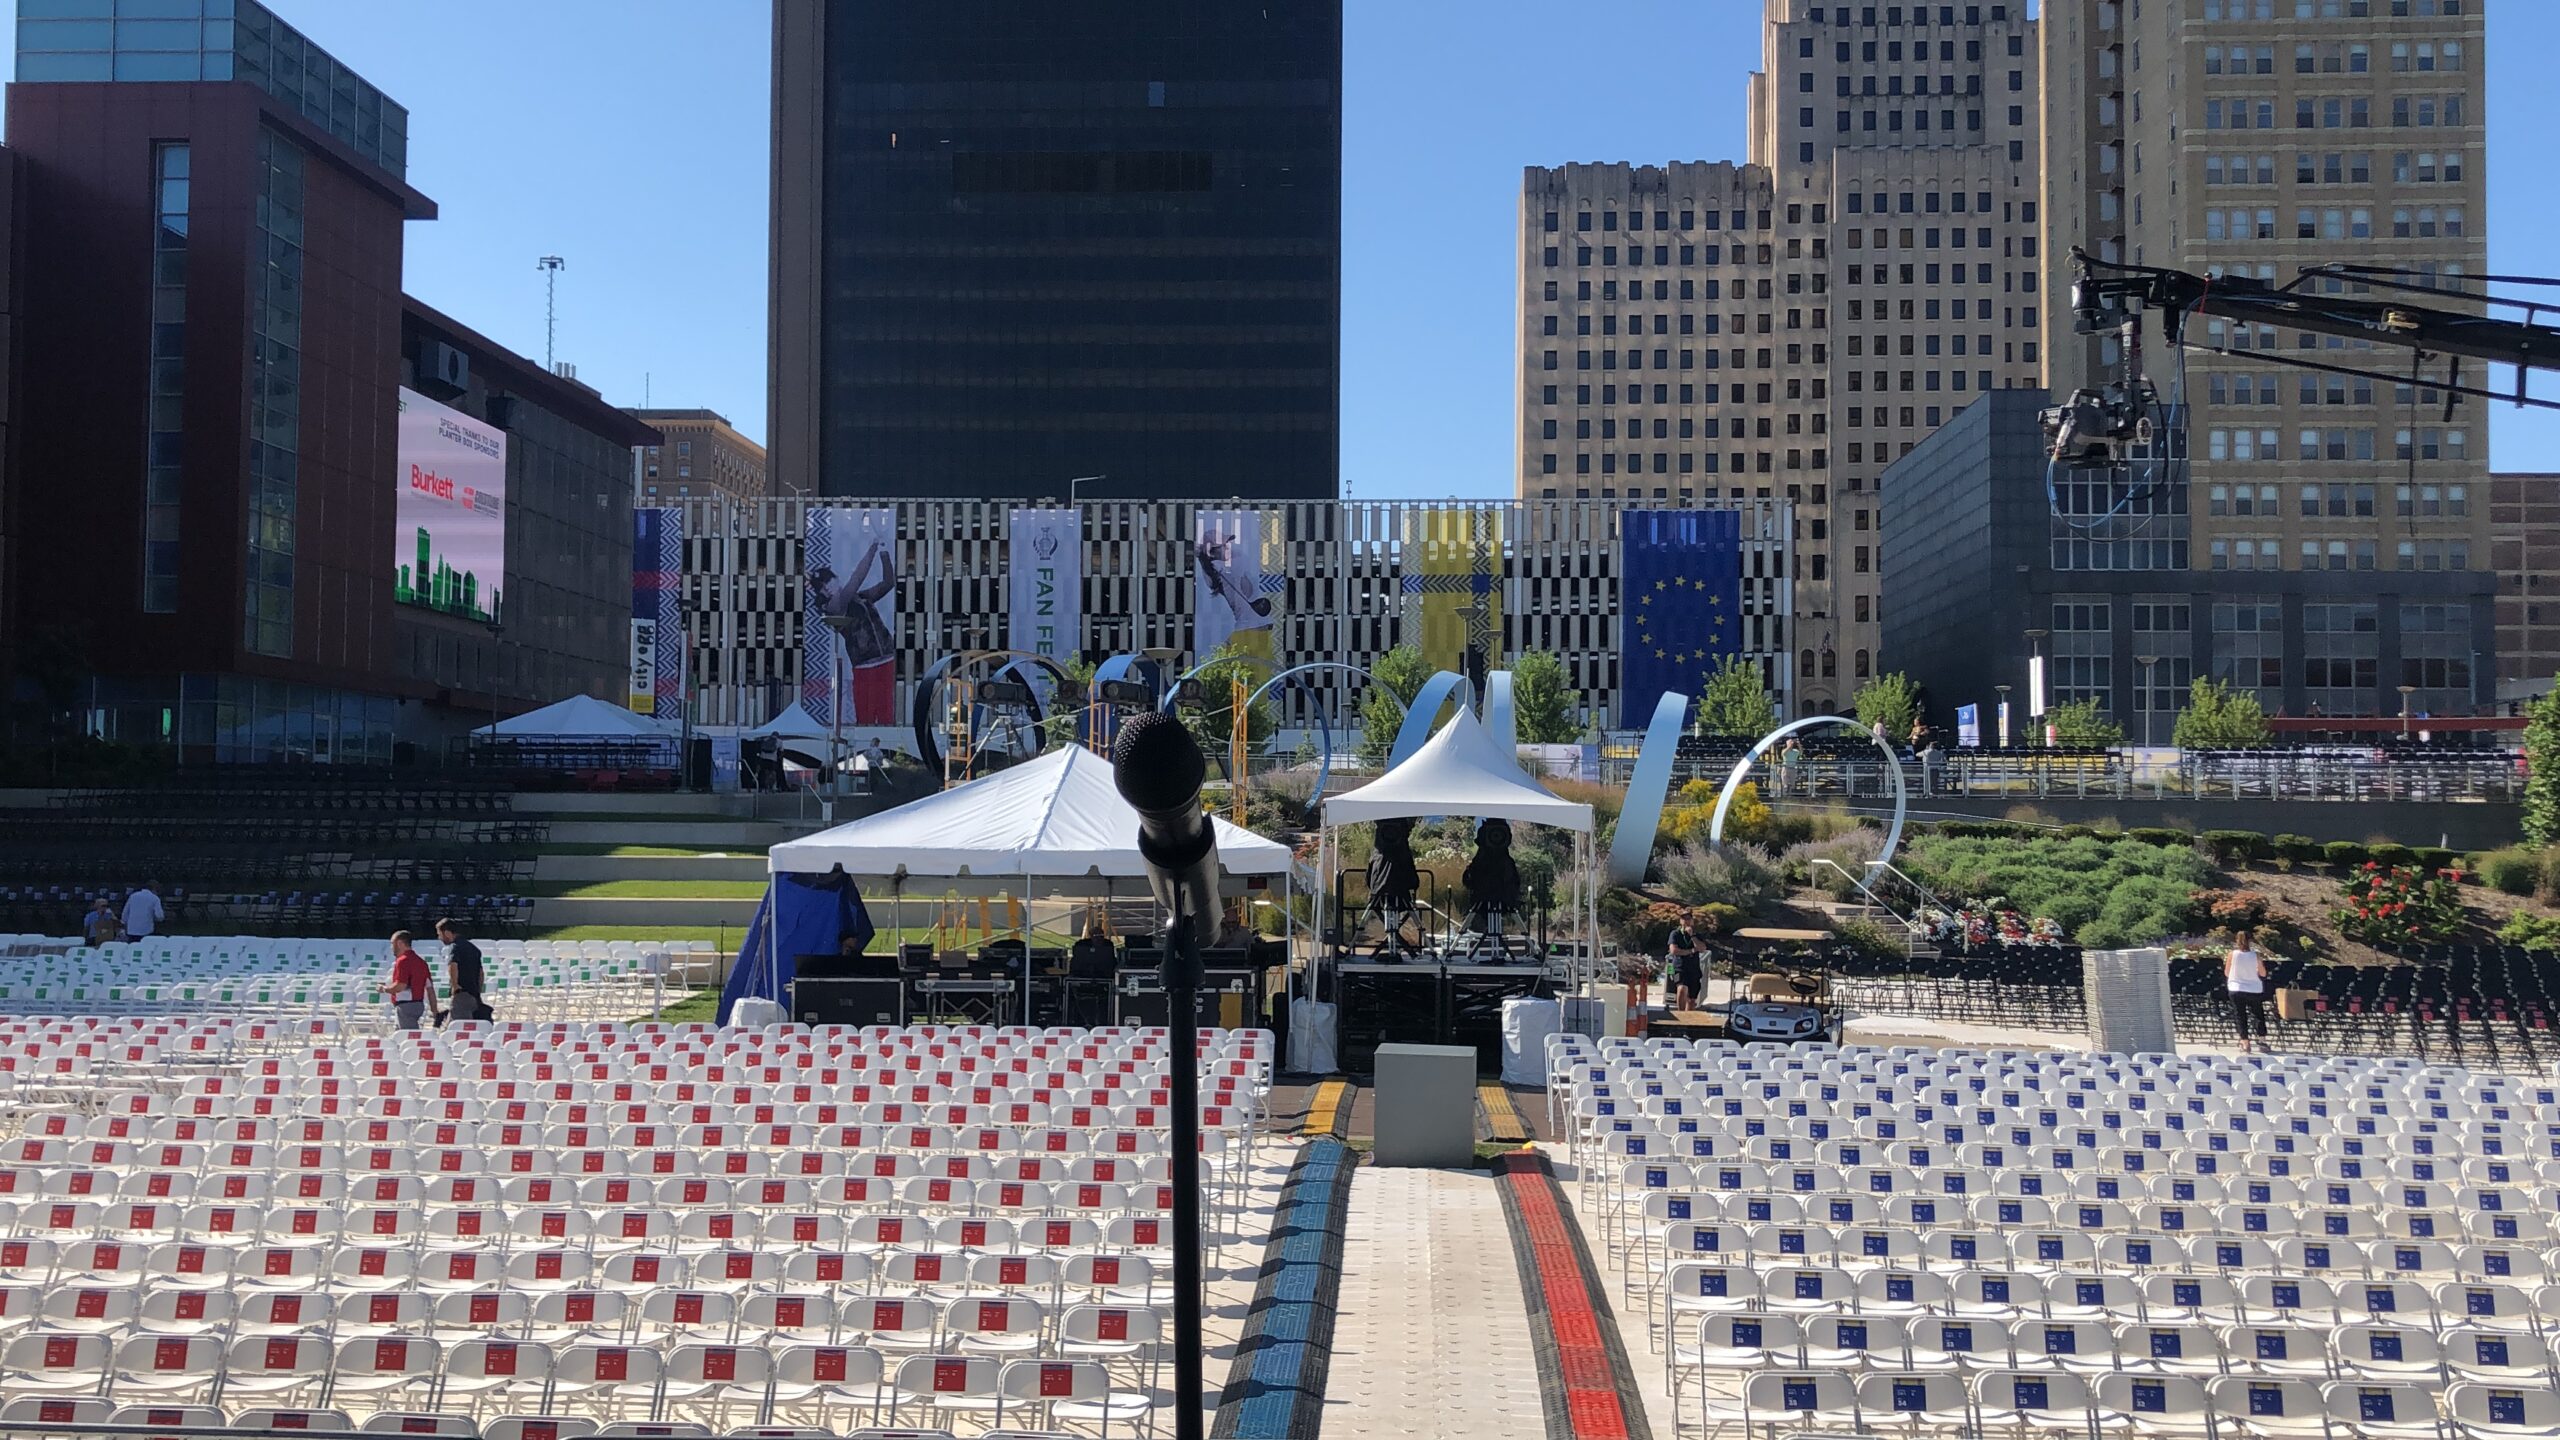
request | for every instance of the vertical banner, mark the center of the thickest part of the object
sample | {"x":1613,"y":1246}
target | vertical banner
{"x":1679,"y":603}
{"x":1046,"y":585}
{"x":1234,"y":595}
{"x":1452,"y":565}
{"x":724,"y":764}
{"x":1969,"y":726}
{"x":657,"y":579}
{"x":849,"y":610}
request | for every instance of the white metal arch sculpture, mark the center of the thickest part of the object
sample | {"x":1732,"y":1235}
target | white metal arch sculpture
{"x":1742,"y":772}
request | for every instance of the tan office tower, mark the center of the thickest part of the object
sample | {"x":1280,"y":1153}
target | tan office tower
{"x":1871,"y":272}
{"x":2265,"y":138}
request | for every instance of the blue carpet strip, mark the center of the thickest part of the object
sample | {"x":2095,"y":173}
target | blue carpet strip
{"x":1276,"y":1390}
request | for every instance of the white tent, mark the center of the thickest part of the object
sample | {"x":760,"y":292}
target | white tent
{"x":1462,"y":770}
{"x":580,"y":717}
{"x":792,"y":724}
{"x":1057,"y":817}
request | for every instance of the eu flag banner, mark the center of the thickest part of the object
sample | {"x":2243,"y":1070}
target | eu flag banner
{"x":1680,"y":602}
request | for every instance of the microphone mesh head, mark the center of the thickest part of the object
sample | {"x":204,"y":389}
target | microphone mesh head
{"x":1156,"y":764}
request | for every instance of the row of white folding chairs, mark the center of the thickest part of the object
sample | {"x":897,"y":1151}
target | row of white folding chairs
{"x":150,"y":1198}
{"x":655,"y":1317}
{"x":2090,"y":1347}
{"x":651,"y":1150}
{"x":1111,"y":1258}
{"x":723,"y":1384}
{"x":1999,"y":1294}
{"x":2057,"y":1402}
{"x":2489,"y":1187}
{"x":563,"y":1125}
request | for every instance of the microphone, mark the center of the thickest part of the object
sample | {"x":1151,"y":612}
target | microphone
{"x":1157,"y":767}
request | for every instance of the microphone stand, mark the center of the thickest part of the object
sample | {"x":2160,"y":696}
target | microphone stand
{"x":1181,"y":977}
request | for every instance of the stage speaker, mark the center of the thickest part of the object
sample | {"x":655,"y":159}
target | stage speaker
{"x":864,"y":1000}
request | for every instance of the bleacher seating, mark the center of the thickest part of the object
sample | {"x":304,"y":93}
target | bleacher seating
{"x":1969,"y":1241}
{"x":310,"y":850}
{"x":536,"y":1229}
{"x":331,"y":983}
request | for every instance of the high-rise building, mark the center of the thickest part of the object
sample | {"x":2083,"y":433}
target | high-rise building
{"x":1017,"y":245}
{"x":1808,"y":316}
{"x":2269,"y":138}
{"x":2524,"y":547}
{"x":702,"y":454}
{"x":210,"y":212}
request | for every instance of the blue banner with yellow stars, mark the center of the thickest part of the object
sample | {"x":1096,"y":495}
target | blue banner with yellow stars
{"x":1680,"y":603}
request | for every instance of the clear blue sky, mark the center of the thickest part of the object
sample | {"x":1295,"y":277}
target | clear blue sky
{"x":629,"y":136}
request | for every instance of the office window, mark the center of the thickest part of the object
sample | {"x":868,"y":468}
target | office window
{"x":165,"y":449}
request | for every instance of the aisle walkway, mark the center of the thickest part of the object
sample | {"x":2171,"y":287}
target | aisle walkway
{"x":1433,"y":1342}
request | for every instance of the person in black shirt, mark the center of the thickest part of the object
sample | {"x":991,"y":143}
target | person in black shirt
{"x":463,"y":971}
{"x":1688,"y":973}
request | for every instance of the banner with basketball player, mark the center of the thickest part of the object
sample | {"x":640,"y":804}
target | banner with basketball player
{"x":849,"y":614}
{"x":1045,"y":585}
{"x":1235,"y":596}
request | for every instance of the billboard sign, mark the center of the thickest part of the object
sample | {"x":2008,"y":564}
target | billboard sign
{"x":449,"y":552}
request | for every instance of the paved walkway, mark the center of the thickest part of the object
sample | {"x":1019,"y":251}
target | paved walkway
{"x":1433,"y":1340}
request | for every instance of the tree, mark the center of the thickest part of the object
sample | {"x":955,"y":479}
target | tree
{"x":1736,"y":701}
{"x":2219,"y":717}
{"x":2081,"y":722}
{"x":1217,"y":700}
{"x":2542,"y":769}
{"x":1542,"y":699}
{"x":1399,"y":676}
{"x":1892,"y":699}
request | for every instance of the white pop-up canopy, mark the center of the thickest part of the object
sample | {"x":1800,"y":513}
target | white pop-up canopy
{"x":580,"y":717}
{"x":1459,"y":771}
{"x":1057,"y":816}
{"x":793,"y":724}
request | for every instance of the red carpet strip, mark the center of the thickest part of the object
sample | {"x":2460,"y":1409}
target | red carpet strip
{"x":1582,"y":1364}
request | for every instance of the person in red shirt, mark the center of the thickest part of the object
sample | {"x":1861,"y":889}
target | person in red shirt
{"x":410,"y":985}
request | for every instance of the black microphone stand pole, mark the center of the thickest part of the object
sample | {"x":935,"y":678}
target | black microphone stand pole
{"x":1181,"y":976}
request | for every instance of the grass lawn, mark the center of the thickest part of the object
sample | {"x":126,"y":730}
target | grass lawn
{"x":700,"y":1005}
{"x":652,"y":890}
{"x":716,"y":934}
{"x":655,"y":852}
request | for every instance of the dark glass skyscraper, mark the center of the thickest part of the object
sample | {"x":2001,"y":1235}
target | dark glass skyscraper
{"x":1019,"y":242}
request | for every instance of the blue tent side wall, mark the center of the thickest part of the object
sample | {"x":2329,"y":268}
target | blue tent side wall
{"x":800,"y":915}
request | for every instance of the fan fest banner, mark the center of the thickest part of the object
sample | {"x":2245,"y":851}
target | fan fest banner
{"x":1235,"y":596}
{"x":1452,"y":563}
{"x":657,"y":575}
{"x":1045,"y":591}
{"x":849,"y":558}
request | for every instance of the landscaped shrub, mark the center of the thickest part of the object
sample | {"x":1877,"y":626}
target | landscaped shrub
{"x":2231,"y":847}
{"x":2099,"y":892}
{"x":2153,"y":835}
{"x":1742,"y":876}
{"x":1713,"y":919}
{"x":2295,"y":849}
{"x":1849,"y":852}
{"x":2077,"y":832}
{"x":2344,"y":853}
{"x":2511,"y":872}
{"x":2532,"y":931}
{"x":2233,"y":910}
{"x":2397,"y":904}
{"x":2390,"y":855}
{"x":1643,"y":931}
{"x":2438,"y":857}
{"x":1871,"y":937}
{"x":2551,"y":871}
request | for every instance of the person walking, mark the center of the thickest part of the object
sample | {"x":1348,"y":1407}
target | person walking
{"x":2244,"y":977}
{"x":464,"y":974}
{"x":143,"y":911}
{"x":1790,"y":761}
{"x":410,"y":984}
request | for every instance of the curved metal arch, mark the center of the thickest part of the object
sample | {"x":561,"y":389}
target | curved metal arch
{"x":1742,"y":772}
{"x":1435,"y":692}
{"x":1500,"y":717}
{"x":1631,"y":852}
{"x":1324,"y":722}
{"x":927,"y":707}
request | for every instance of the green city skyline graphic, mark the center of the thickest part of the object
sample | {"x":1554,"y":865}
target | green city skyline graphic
{"x":450,"y":591}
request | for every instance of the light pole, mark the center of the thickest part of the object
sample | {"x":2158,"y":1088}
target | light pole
{"x":2003,"y":691}
{"x":2150,"y":701}
{"x":2036,"y":680}
{"x":2405,"y":692}
{"x":1077,"y":483}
